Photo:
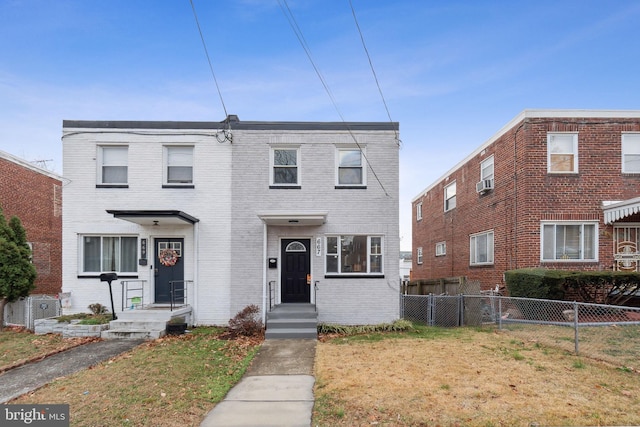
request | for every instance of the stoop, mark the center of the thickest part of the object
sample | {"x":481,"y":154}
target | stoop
{"x":149,"y":323}
{"x":297,"y":320}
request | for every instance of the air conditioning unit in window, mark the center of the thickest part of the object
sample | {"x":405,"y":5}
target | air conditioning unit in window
{"x":484,"y":186}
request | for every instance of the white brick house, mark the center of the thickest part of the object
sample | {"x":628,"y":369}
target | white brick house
{"x":257,"y":213}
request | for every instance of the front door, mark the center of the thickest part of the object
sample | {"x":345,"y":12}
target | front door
{"x":626,"y":239}
{"x":169,"y":267}
{"x":296,"y":270}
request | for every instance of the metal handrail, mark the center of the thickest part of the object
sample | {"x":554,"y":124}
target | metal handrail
{"x":315,"y":295}
{"x":177,"y":293}
{"x":132,"y":301}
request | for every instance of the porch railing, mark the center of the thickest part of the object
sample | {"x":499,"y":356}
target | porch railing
{"x":133,"y":293}
{"x":178,"y":293}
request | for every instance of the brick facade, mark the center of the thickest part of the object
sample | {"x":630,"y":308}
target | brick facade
{"x":525,"y":195}
{"x":35,"y":196}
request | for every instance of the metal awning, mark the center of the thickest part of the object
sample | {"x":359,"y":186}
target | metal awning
{"x":285,"y":218}
{"x":614,"y":211}
{"x":151,"y":217}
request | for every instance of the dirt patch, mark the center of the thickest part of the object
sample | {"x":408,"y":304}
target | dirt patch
{"x":470,"y":379}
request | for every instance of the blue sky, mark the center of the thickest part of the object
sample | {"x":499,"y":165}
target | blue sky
{"x":452,"y":72}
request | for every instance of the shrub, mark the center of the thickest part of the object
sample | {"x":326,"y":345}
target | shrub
{"x":98,"y":308}
{"x":246,"y":322}
{"x":536,"y":283}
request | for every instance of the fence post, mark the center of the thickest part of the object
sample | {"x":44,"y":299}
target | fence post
{"x":461,"y":310}
{"x":499,"y":311}
{"x":575,"y":327}
{"x":430,"y":311}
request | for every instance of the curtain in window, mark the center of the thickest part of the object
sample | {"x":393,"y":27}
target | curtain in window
{"x":91,"y":253}
{"x":114,"y":165}
{"x":110,"y":254}
{"x":129,"y":254}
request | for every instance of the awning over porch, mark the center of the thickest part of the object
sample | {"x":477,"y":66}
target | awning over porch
{"x":614,"y":211}
{"x":154,"y":217}
{"x":287,"y":218}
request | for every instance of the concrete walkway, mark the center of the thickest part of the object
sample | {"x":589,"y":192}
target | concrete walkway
{"x":276,"y":390}
{"x":32,"y":376}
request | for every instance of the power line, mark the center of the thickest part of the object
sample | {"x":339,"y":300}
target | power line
{"x":298,"y":32}
{"x":375,"y":76}
{"x":204,"y":44}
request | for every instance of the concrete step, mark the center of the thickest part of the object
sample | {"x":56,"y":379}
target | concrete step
{"x":292,"y":323}
{"x":136,"y":324}
{"x":291,"y":333}
{"x":133,"y":334}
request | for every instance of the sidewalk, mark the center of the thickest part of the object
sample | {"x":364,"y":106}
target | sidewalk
{"x":32,"y":376}
{"x":276,"y":390}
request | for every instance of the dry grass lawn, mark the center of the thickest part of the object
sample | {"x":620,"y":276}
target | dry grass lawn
{"x":467,"y":377}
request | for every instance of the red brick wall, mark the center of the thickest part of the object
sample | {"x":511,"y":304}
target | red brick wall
{"x":36,"y":199}
{"x":523,"y":196}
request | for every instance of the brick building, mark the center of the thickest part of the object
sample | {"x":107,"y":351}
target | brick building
{"x":553,"y":189}
{"x":34,"y":195}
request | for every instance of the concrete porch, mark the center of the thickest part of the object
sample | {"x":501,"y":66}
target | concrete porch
{"x":147,"y":323}
{"x":292,"y":320}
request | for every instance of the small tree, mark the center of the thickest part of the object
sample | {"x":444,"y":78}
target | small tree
{"x":17,"y":273}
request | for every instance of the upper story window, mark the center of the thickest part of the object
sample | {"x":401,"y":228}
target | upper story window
{"x":349,"y":255}
{"x":113,"y":165}
{"x":109,"y":254}
{"x":569,"y":241}
{"x":481,"y":248}
{"x":350,"y":170}
{"x":450,"y":196}
{"x":285,"y":167}
{"x":419,"y":255}
{"x":562,"y":152}
{"x":486,"y":169}
{"x":441,"y":248}
{"x":178,"y":167}
{"x":419,"y":211}
{"x":631,"y":153}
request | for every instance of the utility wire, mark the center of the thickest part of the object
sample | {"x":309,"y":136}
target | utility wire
{"x":298,"y":32}
{"x":195,"y":15}
{"x":375,"y":76}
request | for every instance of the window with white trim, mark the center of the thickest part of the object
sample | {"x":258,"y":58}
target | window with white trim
{"x":450,"y":196}
{"x":354,"y":255}
{"x":285,"y":167}
{"x":562,"y":152}
{"x":569,"y":241}
{"x":113,"y":164}
{"x":350,"y":170}
{"x":178,"y":165}
{"x":486,"y":169}
{"x":109,"y":254}
{"x":419,"y":255}
{"x":419,"y":211}
{"x":481,"y":248}
{"x":631,"y":153}
{"x":441,"y":248}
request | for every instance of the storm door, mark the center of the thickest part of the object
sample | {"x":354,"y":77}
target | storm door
{"x":169,"y":267}
{"x":296,"y":270}
{"x":626,"y":242}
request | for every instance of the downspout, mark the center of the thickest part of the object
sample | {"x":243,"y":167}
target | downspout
{"x":264,"y":273}
{"x":196,"y":270}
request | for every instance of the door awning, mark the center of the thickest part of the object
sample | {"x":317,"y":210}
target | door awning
{"x":280,"y":218}
{"x":160,"y":217}
{"x":614,"y":211}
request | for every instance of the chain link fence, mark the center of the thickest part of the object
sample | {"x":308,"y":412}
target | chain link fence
{"x":604,"y":332}
{"x":25,"y":311}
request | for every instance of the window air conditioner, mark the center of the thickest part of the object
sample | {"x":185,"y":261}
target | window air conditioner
{"x":484,"y":185}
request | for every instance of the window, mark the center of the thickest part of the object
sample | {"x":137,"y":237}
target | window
{"x":419,"y":255}
{"x":562,"y":152}
{"x":354,"y":255}
{"x":419,"y":211}
{"x":481,"y":248}
{"x":441,"y":248}
{"x":450,"y":196}
{"x":631,"y":153}
{"x":284,"y":164}
{"x":569,"y":241}
{"x":109,"y":253}
{"x":178,"y":165}
{"x":486,"y":169}
{"x":350,"y":171}
{"x":113,"y":165}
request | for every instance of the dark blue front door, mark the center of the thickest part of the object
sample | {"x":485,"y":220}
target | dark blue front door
{"x":170,"y":250}
{"x":295,"y":271}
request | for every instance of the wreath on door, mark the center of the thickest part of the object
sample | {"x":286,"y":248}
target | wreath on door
{"x":168,"y":257}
